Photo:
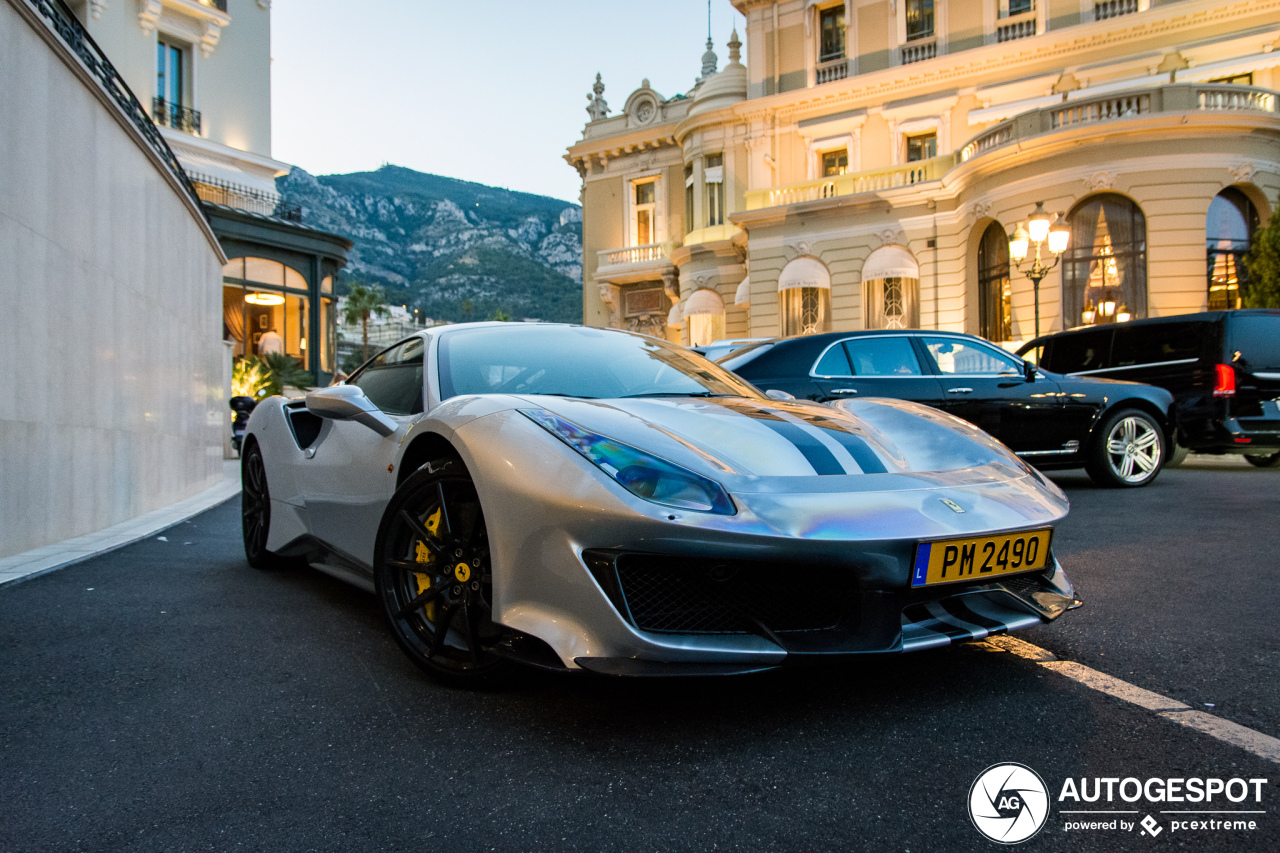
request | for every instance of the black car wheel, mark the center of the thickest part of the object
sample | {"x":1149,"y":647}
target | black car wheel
{"x":1127,"y":451}
{"x":255,"y":512}
{"x":1269,"y":460}
{"x":1177,"y":455}
{"x":432,"y":570}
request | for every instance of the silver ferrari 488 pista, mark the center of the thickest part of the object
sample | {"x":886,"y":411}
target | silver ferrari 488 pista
{"x":592,"y":499}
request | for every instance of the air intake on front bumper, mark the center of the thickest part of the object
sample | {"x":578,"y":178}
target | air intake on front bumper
{"x":682,"y":595}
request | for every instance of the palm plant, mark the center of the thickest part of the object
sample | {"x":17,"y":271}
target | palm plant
{"x":361,"y":302}
{"x":266,"y":376}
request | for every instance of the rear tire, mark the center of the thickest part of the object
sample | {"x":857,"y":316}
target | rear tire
{"x":255,"y":513}
{"x":1177,"y":456}
{"x":1127,"y":451}
{"x":1270,"y":460}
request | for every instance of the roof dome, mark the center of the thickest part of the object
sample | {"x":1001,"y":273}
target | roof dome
{"x":724,"y":87}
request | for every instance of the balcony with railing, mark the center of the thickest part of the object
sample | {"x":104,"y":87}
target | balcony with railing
{"x":634,"y":263}
{"x":1120,"y":106}
{"x":831,"y":69}
{"x":1113,"y":9}
{"x":1016,"y":26}
{"x":918,"y":51}
{"x":217,"y":191}
{"x":168,"y":114}
{"x":873,"y":180}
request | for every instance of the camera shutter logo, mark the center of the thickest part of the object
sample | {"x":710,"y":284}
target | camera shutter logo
{"x":1008,"y":803}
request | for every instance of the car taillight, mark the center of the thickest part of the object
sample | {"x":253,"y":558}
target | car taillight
{"x":1224,"y":384}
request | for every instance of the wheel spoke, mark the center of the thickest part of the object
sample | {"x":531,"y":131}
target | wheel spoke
{"x":473,"y":636}
{"x":428,"y":596}
{"x":446,"y":525}
{"x":1130,"y":428}
{"x":1146,"y":441}
{"x":421,"y":532}
{"x":1145,"y":462}
{"x":1115,"y":446}
{"x":1126,"y":468}
{"x":442,"y":628}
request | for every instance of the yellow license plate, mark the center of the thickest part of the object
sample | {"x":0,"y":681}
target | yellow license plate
{"x":980,"y":558}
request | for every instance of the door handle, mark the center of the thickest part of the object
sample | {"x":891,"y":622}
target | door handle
{"x":959,"y":390}
{"x":844,"y":390}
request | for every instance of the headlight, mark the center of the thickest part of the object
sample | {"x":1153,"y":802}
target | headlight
{"x":643,"y":474}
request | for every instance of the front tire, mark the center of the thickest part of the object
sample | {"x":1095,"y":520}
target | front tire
{"x":1127,"y":451}
{"x":434,"y":577}
{"x":1258,"y":460}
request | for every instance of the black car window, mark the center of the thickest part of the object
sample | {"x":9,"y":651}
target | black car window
{"x":393,"y":379}
{"x":1257,"y":338}
{"x":970,"y":358}
{"x":888,"y":356}
{"x":1079,"y":351}
{"x":834,"y":362}
{"x":1157,"y":342}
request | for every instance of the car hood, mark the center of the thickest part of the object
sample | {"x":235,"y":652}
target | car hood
{"x":754,"y":441}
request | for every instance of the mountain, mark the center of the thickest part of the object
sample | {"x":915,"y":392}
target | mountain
{"x":455,"y":249}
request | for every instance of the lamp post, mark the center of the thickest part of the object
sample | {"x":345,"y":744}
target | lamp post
{"x":1039,"y":228}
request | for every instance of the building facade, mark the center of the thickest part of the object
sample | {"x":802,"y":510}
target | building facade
{"x":203,"y":68}
{"x":864,"y":169}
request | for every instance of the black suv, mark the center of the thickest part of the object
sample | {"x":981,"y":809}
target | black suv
{"x":1120,"y":432}
{"x":1223,"y":368}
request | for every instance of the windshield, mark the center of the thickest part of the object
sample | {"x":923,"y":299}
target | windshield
{"x":574,"y":361}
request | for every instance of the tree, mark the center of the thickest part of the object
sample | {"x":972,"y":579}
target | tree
{"x":1262,"y":266}
{"x":361,"y":302}
{"x":500,"y":315}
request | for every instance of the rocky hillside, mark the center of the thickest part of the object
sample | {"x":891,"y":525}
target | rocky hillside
{"x":457,"y":250}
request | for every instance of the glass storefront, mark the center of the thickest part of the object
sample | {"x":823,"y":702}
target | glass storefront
{"x":266,"y":309}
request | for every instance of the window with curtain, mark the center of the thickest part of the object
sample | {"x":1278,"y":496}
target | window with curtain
{"x":805,"y":310}
{"x":831,"y":33}
{"x":713,"y":173}
{"x":1229,"y":226}
{"x":919,"y":19}
{"x":995,"y":297}
{"x":891,"y":303}
{"x":1104,"y":272}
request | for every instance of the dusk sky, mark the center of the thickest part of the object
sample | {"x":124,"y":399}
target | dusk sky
{"x":488,"y":92}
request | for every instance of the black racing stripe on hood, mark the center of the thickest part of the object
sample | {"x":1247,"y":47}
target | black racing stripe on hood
{"x":860,"y":451}
{"x":815,"y":452}
{"x":822,"y":460}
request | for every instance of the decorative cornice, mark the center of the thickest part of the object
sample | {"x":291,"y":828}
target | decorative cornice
{"x":1101,"y":180}
{"x":1244,"y":173}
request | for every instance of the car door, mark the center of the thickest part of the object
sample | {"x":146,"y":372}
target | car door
{"x":346,"y":481}
{"x":987,"y":387}
{"x":874,"y":366}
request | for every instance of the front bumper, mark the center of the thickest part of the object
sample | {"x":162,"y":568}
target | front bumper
{"x":804,"y":615}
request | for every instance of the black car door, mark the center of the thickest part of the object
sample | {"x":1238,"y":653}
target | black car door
{"x":987,"y":386}
{"x":874,"y":366}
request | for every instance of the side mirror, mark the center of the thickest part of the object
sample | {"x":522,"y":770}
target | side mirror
{"x":774,"y":394}
{"x":1028,"y":371}
{"x":348,"y":403}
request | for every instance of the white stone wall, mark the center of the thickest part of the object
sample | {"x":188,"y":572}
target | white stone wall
{"x":110,"y":304}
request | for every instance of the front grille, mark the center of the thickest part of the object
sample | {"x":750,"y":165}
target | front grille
{"x":1024,"y":583}
{"x":689,"y":596}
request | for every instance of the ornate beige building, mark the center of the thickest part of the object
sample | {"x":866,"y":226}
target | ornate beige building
{"x":865,"y":167}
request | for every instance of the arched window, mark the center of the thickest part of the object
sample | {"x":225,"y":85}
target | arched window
{"x":1105,"y":270}
{"x":995,"y":303}
{"x":891,"y":289}
{"x":704,"y":310}
{"x":804,"y":294}
{"x":1230,"y":224}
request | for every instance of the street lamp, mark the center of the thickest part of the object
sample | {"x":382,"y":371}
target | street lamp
{"x":1039,"y":228}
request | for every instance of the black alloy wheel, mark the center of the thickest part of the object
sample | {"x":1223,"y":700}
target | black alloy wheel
{"x":433,"y":575}
{"x":255,"y":511}
{"x":1127,"y":451}
{"x":1263,"y":460}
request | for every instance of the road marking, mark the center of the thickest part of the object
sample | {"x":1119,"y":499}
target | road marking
{"x":1261,"y":745}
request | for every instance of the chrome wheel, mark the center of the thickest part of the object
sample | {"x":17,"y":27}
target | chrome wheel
{"x":1134,"y":448}
{"x":433,"y":574}
{"x":1128,"y":450}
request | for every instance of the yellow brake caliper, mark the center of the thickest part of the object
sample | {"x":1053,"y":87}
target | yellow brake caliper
{"x":422,"y":554}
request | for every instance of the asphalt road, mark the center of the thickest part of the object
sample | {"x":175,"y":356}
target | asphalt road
{"x":168,"y":697}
